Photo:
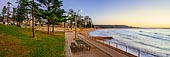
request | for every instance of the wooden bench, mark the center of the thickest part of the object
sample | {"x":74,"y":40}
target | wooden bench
{"x":73,"y":47}
{"x":88,"y":46}
{"x":81,"y":42}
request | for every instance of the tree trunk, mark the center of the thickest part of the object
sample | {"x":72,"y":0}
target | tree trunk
{"x":64,"y":25}
{"x":20,"y":24}
{"x":48,"y":8}
{"x":40,"y":22}
{"x":17,"y":23}
{"x":7,"y":20}
{"x":3,"y":19}
{"x":33,"y":21}
{"x":27,"y":14}
{"x":53,"y":27}
{"x":71,"y":25}
{"x":48,"y":27}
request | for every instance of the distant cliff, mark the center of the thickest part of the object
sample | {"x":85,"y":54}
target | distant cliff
{"x":114,"y":26}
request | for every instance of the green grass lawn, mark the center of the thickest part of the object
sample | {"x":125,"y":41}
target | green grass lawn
{"x":18,"y":42}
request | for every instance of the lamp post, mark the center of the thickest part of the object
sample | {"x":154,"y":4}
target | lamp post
{"x":76,"y":23}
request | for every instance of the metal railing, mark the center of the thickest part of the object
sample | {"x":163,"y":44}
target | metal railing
{"x":127,"y":48}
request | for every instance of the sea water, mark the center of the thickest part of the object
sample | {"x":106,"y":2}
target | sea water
{"x":150,"y":42}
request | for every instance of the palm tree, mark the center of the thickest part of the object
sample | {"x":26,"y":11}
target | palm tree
{"x":49,"y":6}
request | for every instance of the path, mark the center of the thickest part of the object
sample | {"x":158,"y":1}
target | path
{"x":104,"y":48}
{"x":94,"y":52}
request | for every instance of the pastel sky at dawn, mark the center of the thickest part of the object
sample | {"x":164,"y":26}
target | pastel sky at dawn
{"x":140,"y":13}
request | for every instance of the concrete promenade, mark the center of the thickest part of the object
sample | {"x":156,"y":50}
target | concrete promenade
{"x":97,"y":48}
{"x":94,"y":52}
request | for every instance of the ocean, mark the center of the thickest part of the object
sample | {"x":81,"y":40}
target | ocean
{"x":149,"y":42}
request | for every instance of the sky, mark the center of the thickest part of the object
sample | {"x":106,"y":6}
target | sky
{"x":140,"y":13}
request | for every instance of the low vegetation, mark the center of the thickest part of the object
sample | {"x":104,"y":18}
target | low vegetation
{"x":18,"y":42}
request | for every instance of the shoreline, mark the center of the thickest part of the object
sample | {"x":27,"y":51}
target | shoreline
{"x":140,"y":50}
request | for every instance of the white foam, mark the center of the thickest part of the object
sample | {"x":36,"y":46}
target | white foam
{"x":154,"y":41}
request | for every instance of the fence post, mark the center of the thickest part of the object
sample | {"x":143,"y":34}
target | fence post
{"x":92,"y":38}
{"x":116,"y":45}
{"x":103,"y":41}
{"x":109,"y":43}
{"x":167,"y":55}
{"x":87,"y":36}
{"x":95,"y":38}
{"x":138,"y":53}
{"x":126,"y":48}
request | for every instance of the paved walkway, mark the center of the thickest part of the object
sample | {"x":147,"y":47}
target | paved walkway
{"x":105,"y":49}
{"x":94,"y":52}
{"x":67,"y":44}
{"x":102,"y":49}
